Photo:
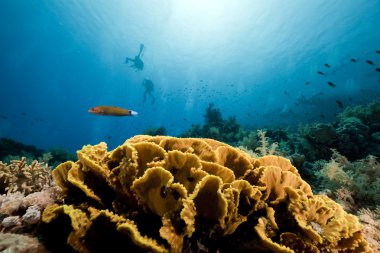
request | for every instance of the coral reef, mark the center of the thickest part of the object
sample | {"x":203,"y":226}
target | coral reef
{"x":368,"y":114}
{"x":11,"y":147}
{"x":161,"y":194}
{"x":26,"y":189}
{"x":371,"y":221}
{"x":155,"y":131}
{"x":356,"y":135}
{"x":19,"y":212}
{"x":353,"y":136}
{"x":315,"y":141}
{"x":19,"y":176}
{"x":354,"y":183}
{"x":216,"y":127}
{"x":22,"y":177}
{"x":58,"y":155}
{"x":13,"y":150}
{"x":262,"y":147}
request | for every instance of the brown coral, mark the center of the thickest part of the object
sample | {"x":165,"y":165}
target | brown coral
{"x":20,"y":244}
{"x":22,"y":177}
{"x":181,"y":194}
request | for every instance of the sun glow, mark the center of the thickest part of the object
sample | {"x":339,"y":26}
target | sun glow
{"x":203,"y":18}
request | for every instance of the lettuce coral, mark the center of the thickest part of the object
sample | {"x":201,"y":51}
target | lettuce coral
{"x":166,"y":194}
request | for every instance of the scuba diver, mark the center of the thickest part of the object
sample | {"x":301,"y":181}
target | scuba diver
{"x":138,"y":64}
{"x":149,"y":87}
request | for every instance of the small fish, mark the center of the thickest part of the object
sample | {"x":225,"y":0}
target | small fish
{"x":353,"y":60}
{"x":378,"y":69}
{"x":327,"y":65}
{"x":377,"y":52}
{"x":339,"y":104}
{"x":331,"y":84}
{"x":321,"y":73}
{"x":307,"y":83}
{"x":111,"y":111}
{"x":322,"y":115}
{"x":370,"y":62}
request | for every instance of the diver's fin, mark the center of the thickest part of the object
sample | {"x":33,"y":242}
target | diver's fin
{"x":141,"y":48}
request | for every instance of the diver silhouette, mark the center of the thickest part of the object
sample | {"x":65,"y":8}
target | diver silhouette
{"x":138,"y":64}
{"x":149,"y":87}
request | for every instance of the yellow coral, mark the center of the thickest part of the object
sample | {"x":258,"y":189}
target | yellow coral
{"x":60,"y":175}
{"x":277,"y":161}
{"x":274,"y":179}
{"x":76,"y":177}
{"x":265,"y":231}
{"x":107,"y":225}
{"x":209,"y":200}
{"x":189,"y":145}
{"x":185,"y":167}
{"x":125,"y":234}
{"x":157,"y":190}
{"x":79,"y":223}
{"x":123,"y":163}
{"x":190,"y":192}
{"x":242,"y":200}
{"x":169,"y":230}
{"x":234,"y":159}
{"x":324,"y":221}
{"x":149,"y":155}
{"x":92,"y":158}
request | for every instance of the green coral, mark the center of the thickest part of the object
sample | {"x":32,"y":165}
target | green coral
{"x":368,"y":114}
{"x":13,"y":150}
{"x":216,"y":127}
{"x":359,"y":179}
{"x":155,"y":131}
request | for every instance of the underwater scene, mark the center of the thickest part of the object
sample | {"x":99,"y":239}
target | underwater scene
{"x":189,"y":126}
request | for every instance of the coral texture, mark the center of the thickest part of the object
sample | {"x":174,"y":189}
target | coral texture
{"x":355,"y":183}
{"x":371,"y":221}
{"x":14,"y":243}
{"x":166,"y":194}
{"x":22,"y":177}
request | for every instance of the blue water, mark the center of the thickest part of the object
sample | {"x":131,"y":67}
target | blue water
{"x":251,"y":58}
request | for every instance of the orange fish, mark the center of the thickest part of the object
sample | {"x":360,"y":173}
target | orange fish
{"x":112,"y":111}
